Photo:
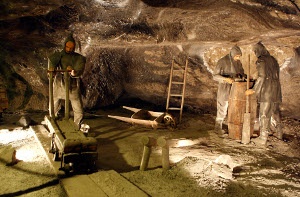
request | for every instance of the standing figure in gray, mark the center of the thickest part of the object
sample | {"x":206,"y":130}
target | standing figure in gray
{"x":268,"y":93}
{"x":68,"y":59}
{"x":228,"y":67}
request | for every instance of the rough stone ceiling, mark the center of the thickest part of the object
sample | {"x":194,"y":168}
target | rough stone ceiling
{"x":127,"y":40}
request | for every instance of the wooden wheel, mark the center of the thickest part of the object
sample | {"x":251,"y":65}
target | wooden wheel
{"x":169,"y":121}
{"x":54,"y":150}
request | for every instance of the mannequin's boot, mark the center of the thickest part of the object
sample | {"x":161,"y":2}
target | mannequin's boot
{"x":218,"y":127}
{"x":279,"y":132}
{"x":261,"y":140}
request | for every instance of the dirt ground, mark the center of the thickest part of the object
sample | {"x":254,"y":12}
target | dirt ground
{"x":29,"y":173}
{"x":201,"y":163}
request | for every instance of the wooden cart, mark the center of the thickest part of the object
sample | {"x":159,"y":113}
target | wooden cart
{"x":148,"y":118}
{"x":69,"y":145}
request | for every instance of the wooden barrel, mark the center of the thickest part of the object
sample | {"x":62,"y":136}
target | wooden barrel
{"x":237,"y":108}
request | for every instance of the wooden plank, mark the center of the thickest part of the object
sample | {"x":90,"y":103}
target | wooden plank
{"x":113,"y":184}
{"x":81,"y":185}
{"x":44,"y":140}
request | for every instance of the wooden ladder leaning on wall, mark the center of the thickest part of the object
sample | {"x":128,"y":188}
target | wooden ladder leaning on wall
{"x":177,"y":83}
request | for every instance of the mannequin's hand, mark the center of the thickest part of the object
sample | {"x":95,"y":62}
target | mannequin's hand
{"x":73,"y":73}
{"x":228,"y":80}
{"x":249,"y":92}
{"x":69,"y":68}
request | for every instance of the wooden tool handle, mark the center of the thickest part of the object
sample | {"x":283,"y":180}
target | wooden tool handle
{"x":58,"y":71}
{"x":248,"y":85}
{"x":248,"y":73}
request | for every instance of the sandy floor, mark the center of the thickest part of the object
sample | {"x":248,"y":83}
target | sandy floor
{"x":201,"y":163}
{"x":29,"y":173}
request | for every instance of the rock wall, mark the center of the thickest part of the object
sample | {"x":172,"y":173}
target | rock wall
{"x":130,"y":45}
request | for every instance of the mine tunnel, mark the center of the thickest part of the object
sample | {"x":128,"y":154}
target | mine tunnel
{"x":146,"y":72}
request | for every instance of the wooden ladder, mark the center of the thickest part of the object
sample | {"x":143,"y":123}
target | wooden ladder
{"x":177,"y":85}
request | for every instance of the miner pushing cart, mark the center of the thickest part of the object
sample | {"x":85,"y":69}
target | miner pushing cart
{"x":69,"y":145}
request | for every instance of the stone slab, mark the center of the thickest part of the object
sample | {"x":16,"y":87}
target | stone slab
{"x":115,"y":185}
{"x":44,"y":138}
{"x":81,"y":185}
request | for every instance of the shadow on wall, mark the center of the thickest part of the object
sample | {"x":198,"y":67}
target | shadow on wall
{"x":291,"y":67}
{"x":193,"y":4}
{"x":290,"y":80}
{"x":294,"y":68}
{"x":159,"y":3}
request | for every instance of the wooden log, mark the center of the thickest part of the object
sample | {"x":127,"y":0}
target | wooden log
{"x":163,"y":143}
{"x":145,"y":158}
{"x":148,"y":142}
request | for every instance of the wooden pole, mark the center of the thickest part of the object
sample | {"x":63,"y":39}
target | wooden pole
{"x":247,"y":116}
{"x":67,"y":102}
{"x":51,"y":101}
{"x":147,"y":142}
{"x":163,"y":143}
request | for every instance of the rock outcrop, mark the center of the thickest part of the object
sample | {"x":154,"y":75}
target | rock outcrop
{"x":130,"y":44}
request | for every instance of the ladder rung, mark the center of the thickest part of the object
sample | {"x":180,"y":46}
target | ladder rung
{"x":174,"y":108}
{"x":177,"y":82}
{"x":179,"y":95}
{"x":181,"y":70}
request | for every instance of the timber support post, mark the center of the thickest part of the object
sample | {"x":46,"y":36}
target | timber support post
{"x":163,"y":143}
{"x":148,"y":142}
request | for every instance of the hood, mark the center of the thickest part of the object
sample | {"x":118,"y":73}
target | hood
{"x":260,"y":50}
{"x":235,"y":51}
{"x":69,"y":38}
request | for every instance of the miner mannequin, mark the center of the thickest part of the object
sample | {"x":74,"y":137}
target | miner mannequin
{"x":68,"y":59}
{"x":227,"y":67}
{"x":268,"y":92}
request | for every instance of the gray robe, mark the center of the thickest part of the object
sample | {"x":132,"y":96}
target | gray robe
{"x":267,"y":86}
{"x":61,"y":60}
{"x":226,"y":67}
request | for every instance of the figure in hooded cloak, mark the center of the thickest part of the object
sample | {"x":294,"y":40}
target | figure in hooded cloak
{"x":68,"y":59}
{"x":227,"y":67}
{"x":268,"y":92}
